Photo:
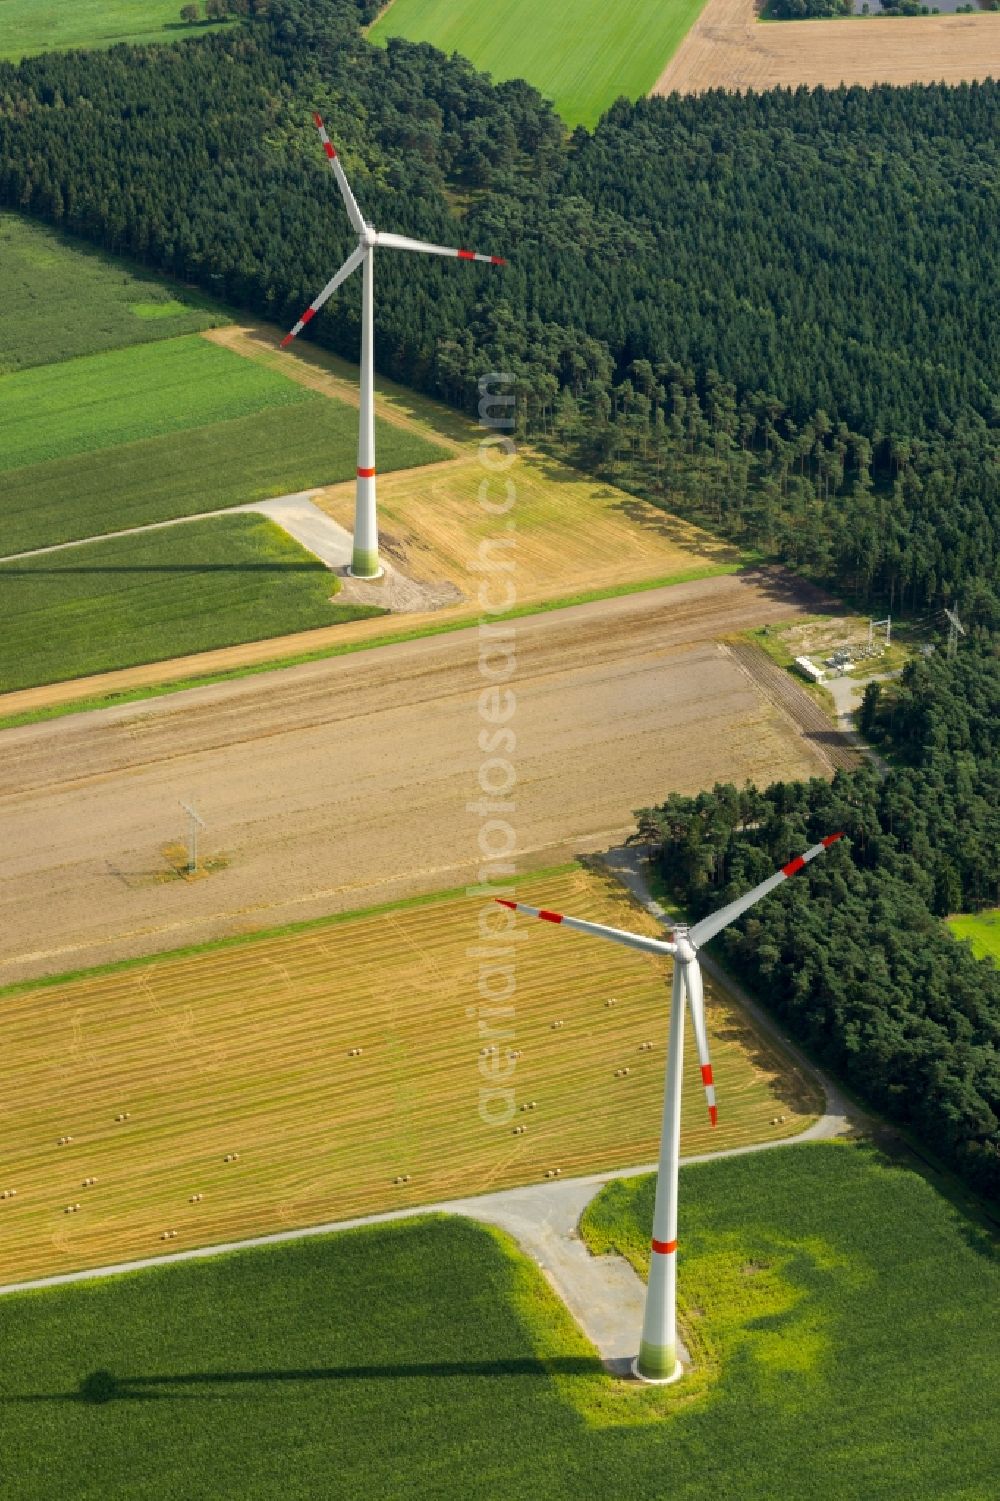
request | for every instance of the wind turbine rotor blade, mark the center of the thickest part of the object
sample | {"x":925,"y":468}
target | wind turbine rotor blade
{"x":401,"y":242}
{"x":716,"y":921}
{"x":351,"y":264}
{"x":353,"y":212}
{"x":614,"y":935}
{"x":696,"y":1001}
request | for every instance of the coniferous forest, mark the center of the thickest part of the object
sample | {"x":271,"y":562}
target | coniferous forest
{"x":774,"y":314}
{"x":853,"y":955}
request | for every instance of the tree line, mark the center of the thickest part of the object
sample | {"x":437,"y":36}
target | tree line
{"x":852,"y":954}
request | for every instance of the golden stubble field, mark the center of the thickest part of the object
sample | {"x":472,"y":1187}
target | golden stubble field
{"x":247,"y":1050}
{"x":728,"y":48}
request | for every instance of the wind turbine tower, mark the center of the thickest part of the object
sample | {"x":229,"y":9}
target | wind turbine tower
{"x":657,"y":1359}
{"x":365,"y":560}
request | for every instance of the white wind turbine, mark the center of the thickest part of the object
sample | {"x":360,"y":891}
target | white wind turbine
{"x":657,"y":1359}
{"x":365,"y":560}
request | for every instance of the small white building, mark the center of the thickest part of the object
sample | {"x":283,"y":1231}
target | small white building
{"x":808,"y":669}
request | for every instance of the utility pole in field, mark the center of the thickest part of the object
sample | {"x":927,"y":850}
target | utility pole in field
{"x":194,"y":824}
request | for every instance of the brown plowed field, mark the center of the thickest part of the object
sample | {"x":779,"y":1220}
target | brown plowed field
{"x":830,"y":744}
{"x":728,"y":48}
{"x":345,"y":782}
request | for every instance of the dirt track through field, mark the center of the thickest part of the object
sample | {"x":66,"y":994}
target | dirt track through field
{"x":829,"y":743}
{"x":341,"y":783}
{"x":729,"y":48}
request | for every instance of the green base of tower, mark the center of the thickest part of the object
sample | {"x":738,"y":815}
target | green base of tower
{"x":365,"y":565}
{"x":657,"y":1363}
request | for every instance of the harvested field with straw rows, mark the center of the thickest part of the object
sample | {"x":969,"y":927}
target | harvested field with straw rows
{"x":245,"y":1052}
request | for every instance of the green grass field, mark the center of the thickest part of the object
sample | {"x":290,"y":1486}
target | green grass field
{"x":141,"y":599}
{"x":62,"y":298}
{"x":581,"y":54}
{"x":982,"y":929}
{"x":31,"y":26}
{"x":842,"y":1302}
{"x":272,"y":452}
{"x":77,"y":406}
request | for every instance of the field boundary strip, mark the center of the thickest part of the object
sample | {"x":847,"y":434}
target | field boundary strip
{"x":85,"y":695}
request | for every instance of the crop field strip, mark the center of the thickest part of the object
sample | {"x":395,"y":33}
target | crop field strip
{"x":273,"y":452}
{"x":246,"y":1049}
{"x":728,"y":48}
{"x":128,"y":600}
{"x":125,"y":395}
{"x":63,"y":299}
{"x":582,"y":54}
{"x":33,"y":26}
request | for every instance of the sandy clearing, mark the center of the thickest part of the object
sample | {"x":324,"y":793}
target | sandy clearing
{"x":345,"y":782}
{"x":728,"y":48}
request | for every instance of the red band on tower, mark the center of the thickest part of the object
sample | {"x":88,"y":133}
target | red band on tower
{"x":366,"y":473}
{"x":664,"y":1247}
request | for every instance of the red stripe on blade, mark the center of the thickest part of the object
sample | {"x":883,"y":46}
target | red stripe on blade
{"x":830,"y":839}
{"x":665,"y":1247}
{"x":328,"y":148}
{"x":713,"y":1114}
{"x":793,"y":866}
{"x":501,"y":903}
{"x":706,"y":1073}
{"x":287,"y":339}
{"x":467,"y":255}
{"x":317,"y":121}
{"x":550,"y":916}
{"x":310,"y":312}
{"x":497,"y":260}
{"x":366,"y":473}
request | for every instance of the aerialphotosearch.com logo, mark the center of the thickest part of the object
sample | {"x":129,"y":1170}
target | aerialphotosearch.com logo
{"x":494,"y":807}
